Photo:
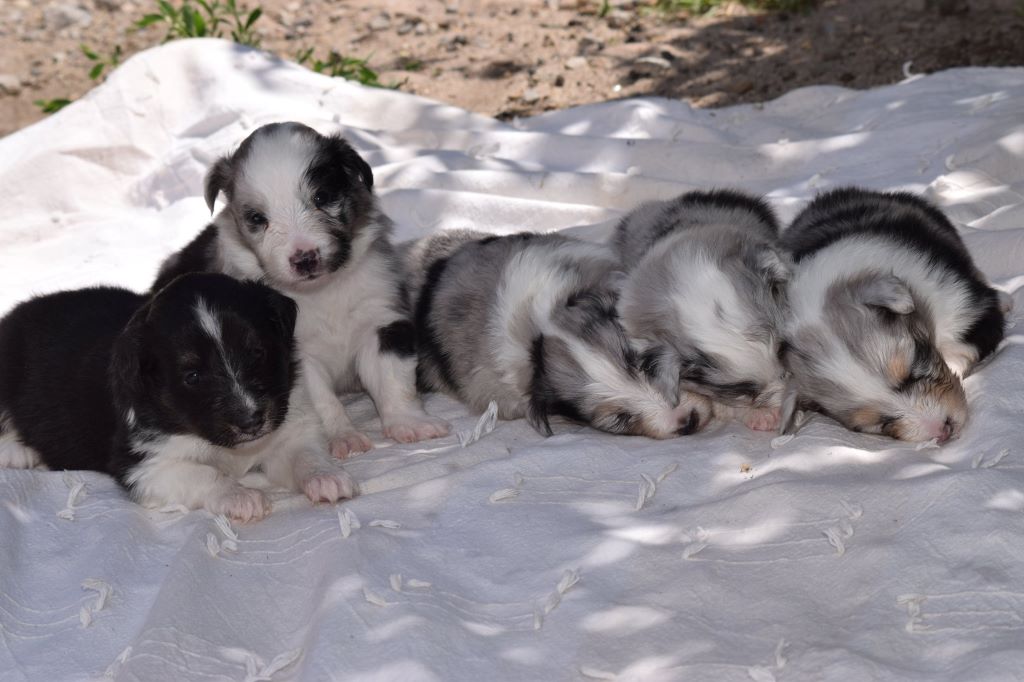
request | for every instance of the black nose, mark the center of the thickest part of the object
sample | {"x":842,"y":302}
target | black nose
{"x":305,"y":262}
{"x":691,"y":425}
{"x":251,"y":422}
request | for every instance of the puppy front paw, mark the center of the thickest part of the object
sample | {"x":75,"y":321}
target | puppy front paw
{"x":346,"y":444}
{"x":762,"y":418}
{"x":241,"y":504}
{"x":411,"y":428}
{"x":329,"y":486}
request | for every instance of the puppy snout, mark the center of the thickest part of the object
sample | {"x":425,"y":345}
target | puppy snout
{"x":689,"y":423}
{"x":305,"y":263}
{"x":250,"y":422}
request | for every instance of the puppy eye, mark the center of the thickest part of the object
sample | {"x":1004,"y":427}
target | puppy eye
{"x":256,"y":220}
{"x":191,"y":378}
{"x":320,"y":199}
{"x":622,"y":421}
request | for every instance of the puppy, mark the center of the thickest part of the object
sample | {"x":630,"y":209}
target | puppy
{"x":705,"y":294}
{"x":888,"y":312}
{"x":529,"y":322}
{"x":176,"y":396}
{"x":301,"y":215}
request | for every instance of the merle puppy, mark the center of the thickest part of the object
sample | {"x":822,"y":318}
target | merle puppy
{"x":301,"y":215}
{"x":176,"y":396}
{"x":529,"y":322}
{"x":705,"y":293}
{"x":888,"y":313}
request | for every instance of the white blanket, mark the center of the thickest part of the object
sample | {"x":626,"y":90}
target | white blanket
{"x":728,"y":555}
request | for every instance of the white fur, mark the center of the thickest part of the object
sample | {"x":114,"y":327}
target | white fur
{"x":945,"y":294}
{"x":188,"y":470}
{"x":14,"y":454}
{"x":210,"y":323}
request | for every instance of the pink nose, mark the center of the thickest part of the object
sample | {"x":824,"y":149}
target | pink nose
{"x":305,"y":262}
{"x":942,"y":432}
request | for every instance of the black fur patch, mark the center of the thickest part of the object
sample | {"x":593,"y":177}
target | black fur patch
{"x":430,"y":350}
{"x":988,"y":330}
{"x":725,"y":199}
{"x":544,"y":400}
{"x":198,"y":256}
{"x":399,"y":338}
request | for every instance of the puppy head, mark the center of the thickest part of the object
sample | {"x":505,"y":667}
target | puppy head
{"x":706,"y":309}
{"x":208,"y":356}
{"x":586,"y":371}
{"x":296,"y":199}
{"x":870,"y":362}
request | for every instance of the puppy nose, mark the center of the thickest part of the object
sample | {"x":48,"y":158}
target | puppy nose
{"x":948,"y":427}
{"x":305,"y":262}
{"x":689,"y":424}
{"x":251,"y":421}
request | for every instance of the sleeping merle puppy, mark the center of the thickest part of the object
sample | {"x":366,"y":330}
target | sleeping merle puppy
{"x":888,"y":312}
{"x":529,"y":321}
{"x":176,"y":396}
{"x":302,"y":217}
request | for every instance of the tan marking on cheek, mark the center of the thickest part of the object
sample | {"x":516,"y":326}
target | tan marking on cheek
{"x":865,"y":417}
{"x":949,"y":393}
{"x":897,"y":369}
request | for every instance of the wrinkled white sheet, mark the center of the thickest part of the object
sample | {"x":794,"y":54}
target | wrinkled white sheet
{"x":722,"y":556}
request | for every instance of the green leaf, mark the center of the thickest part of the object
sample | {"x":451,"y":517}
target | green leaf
{"x":96,"y":70}
{"x":50,"y":106}
{"x":200,"y":24}
{"x":253,"y":16}
{"x":89,"y":53}
{"x":149,"y":20}
{"x":167,"y":9}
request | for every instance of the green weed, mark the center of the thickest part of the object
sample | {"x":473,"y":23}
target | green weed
{"x":100,"y":63}
{"x":205,"y":19}
{"x":49,"y":106}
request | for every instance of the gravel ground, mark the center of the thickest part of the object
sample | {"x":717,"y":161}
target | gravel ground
{"x":521,"y":58}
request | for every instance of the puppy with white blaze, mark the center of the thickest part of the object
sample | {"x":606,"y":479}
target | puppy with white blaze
{"x":705,"y":294}
{"x":529,"y":322}
{"x":301,"y":216}
{"x":177,"y":396}
{"x":888,"y":313}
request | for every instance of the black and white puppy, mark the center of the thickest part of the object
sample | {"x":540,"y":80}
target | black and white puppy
{"x":301,"y":215}
{"x":529,"y":321}
{"x":705,"y":295}
{"x":888,"y":312}
{"x":177,"y":396}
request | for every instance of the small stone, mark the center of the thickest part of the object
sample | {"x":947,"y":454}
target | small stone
{"x":9,"y":84}
{"x":742,"y":86}
{"x":531,"y":96}
{"x":381,"y":22}
{"x":618,"y":18}
{"x":589,"y":46}
{"x":421,"y":29}
{"x":451,"y":8}
{"x":407,"y":26}
{"x":651,"y":65}
{"x":576,"y":63}
{"x":559,"y":81}
{"x":59,"y":17}
{"x":109,"y":5}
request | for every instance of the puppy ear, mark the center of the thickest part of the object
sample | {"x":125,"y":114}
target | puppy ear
{"x":775,"y":265}
{"x":365,"y":172}
{"x":352,"y":157}
{"x":537,"y":411}
{"x":218,"y":178}
{"x":789,"y":422}
{"x":1005,"y":302}
{"x":127,"y":364}
{"x":886,"y":291}
{"x":662,"y":366}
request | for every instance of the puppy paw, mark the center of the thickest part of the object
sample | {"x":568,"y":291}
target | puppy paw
{"x":762,"y":419}
{"x":329,"y":486}
{"x":241,"y":504}
{"x":409,"y":429}
{"x":349,"y":443}
{"x":15,"y":455}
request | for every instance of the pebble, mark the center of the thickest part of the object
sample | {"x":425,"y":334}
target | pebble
{"x":59,"y":17}
{"x":576,"y":63}
{"x":531,"y":96}
{"x":381,"y":22}
{"x":9,"y":84}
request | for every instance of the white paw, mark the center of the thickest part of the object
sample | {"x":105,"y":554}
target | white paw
{"x":762,"y":418}
{"x":349,"y":443}
{"x":16,"y":455}
{"x":241,"y":504}
{"x":329,"y":486}
{"x":409,"y":429}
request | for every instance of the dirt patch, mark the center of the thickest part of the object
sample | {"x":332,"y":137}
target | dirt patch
{"x":519,"y":59}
